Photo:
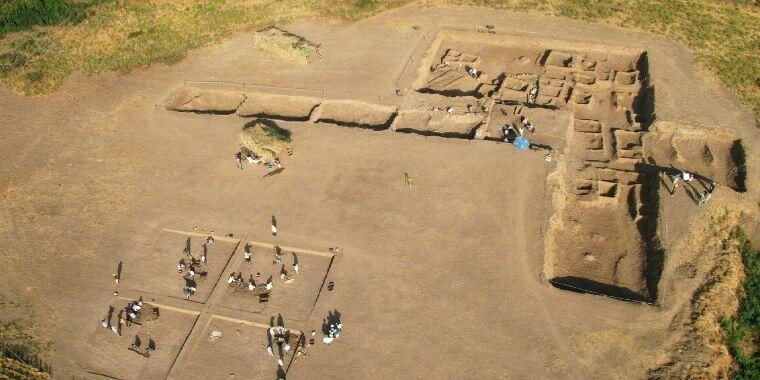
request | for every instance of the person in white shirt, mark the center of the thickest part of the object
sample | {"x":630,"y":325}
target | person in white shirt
{"x":685,"y":176}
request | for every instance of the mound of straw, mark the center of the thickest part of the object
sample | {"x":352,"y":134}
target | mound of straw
{"x":267,"y":141}
{"x":283,"y":45}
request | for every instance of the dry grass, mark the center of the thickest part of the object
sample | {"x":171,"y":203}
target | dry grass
{"x":124,"y":34}
{"x":265,"y":139}
{"x":701,"y":350}
{"x":724,"y":34}
{"x":284,"y":46}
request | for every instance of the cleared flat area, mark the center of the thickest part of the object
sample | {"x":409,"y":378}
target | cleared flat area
{"x":240,"y":352}
{"x":108,"y":353}
{"x":154,"y":268}
{"x":438,"y":281}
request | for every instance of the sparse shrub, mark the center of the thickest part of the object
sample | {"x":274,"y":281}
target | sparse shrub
{"x":18,"y":346}
{"x":11,"y":61}
{"x":18,"y":15}
{"x":743,"y":332}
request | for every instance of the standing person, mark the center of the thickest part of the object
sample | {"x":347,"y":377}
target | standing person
{"x":239,"y":160}
{"x":706,"y":195}
{"x":408,"y":181}
{"x":277,"y":255}
{"x":274,"y":226}
{"x":685,"y":176}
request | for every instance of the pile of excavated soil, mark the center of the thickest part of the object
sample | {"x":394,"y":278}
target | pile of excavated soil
{"x":700,"y":350}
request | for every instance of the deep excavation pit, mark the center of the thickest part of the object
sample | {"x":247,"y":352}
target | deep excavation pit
{"x":592,"y":105}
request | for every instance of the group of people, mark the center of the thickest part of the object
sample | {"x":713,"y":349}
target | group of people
{"x":253,"y":158}
{"x":255,"y":284}
{"x":280,"y":337}
{"x":125,"y":316}
{"x":236,"y":280}
{"x":189,"y":267}
{"x":512,"y":131}
{"x":333,"y":333}
{"x":687,"y":178}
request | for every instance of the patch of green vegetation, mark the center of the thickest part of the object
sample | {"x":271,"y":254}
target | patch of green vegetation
{"x":17,"y":345}
{"x":277,"y":133}
{"x":11,"y":61}
{"x":104,"y":35}
{"x":589,"y":10}
{"x":18,"y":15}
{"x":743,"y":332}
{"x":724,"y":34}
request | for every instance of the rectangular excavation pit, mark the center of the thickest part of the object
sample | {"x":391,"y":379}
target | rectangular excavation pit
{"x":559,"y":59}
{"x":156,"y":271}
{"x":237,"y":349}
{"x":108,"y":354}
{"x":294,"y":298}
{"x":586,"y":75}
{"x":698,"y":149}
{"x":626,"y":78}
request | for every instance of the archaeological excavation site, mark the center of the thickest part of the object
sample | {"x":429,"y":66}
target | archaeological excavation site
{"x":427,"y":193}
{"x":594,"y":109}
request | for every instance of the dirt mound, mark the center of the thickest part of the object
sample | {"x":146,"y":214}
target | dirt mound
{"x":286,"y":46}
{"x":194,"y":99}
{"x":700,"y":350}
{"x":355,"y":113}
{"x":275,"y":106}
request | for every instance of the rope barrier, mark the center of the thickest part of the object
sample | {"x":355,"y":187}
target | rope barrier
{"x":321,"y":92}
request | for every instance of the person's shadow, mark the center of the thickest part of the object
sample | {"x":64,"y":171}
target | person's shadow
{"x":110,"y":315}
{"x":333,"y":317}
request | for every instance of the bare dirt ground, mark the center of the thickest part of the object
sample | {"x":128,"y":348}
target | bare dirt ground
{"x":443,"y":280}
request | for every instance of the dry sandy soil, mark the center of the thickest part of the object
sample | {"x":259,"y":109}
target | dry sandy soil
{"x":444,"y":280}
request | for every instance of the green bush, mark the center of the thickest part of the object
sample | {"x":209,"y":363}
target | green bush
{"x":16,"y":344}
{"x":18,"y":15}
{"x":744,"y":330}
{"x":277,"y":133}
